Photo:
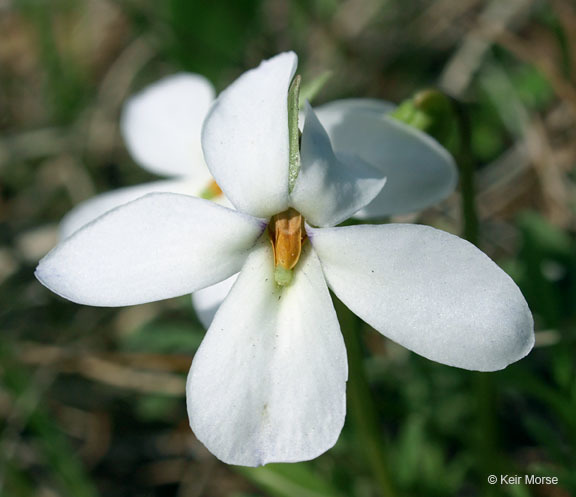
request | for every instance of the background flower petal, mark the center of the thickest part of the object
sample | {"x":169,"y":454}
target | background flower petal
{"x":330,"y":188}
{"x":268,"y":382}
{"x":156,"y":247}
{"x":245,"y":137}
{"x":332,"y":113}
{"x":207,"y":301}
{"x":430,"y":291}
{"x":162,"y":124}
{"x":92,"y":208}
{"x":420,"y":172}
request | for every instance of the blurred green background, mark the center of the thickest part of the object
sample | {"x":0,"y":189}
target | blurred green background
{"x":92,"y":399}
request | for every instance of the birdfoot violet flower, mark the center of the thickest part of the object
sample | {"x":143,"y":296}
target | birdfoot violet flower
{"x":268,"y":381}
{"x":161,"y":127}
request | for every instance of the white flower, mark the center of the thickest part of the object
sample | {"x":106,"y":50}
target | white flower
{"x":161,"y":127}
{"x":268,"y":382}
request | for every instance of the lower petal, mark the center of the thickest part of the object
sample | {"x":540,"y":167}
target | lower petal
{"x":268,"y":382}
{"x":430,"y":291}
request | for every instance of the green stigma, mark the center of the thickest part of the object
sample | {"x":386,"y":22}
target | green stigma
{"x":282,"y":276}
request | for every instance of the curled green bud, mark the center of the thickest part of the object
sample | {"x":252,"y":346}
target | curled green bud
{"x":430,"y":111}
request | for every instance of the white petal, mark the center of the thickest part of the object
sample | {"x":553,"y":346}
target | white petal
{"x":89,"y":210}
{"x":330,"y":189}
{"x":156,"y":247}
{"x":430,"y":291}
{"x":420,"y":172}
{"x":162,"y":125}
{"x":245,"y":138}
{"x":207,"y":301}
{"x":332,"y":113}
{"x":268,"y":382}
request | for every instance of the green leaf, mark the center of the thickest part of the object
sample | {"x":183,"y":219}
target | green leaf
{"x":289,"y":480}
{"x":309,"y":90}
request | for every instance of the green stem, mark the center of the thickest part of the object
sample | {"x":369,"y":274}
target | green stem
{"x":466,"y":166}
{"x":486,"y":436}
{"x":361,"y":407}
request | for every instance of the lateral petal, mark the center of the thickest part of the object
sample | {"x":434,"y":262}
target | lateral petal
{"x":430,"y":291}
{"x":159,"y":246}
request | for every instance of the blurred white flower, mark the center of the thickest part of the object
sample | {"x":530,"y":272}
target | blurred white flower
{"x":420,"y":171}
{"x":161,"y":128}
{"x":268,"y":381}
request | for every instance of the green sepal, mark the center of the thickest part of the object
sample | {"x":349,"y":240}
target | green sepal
{"x":293,"y":132}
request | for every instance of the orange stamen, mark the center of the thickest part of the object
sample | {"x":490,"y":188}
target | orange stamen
{"x":287,"y":234}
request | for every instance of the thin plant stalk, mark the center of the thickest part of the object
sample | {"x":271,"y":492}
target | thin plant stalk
{"x":487,"y":453}
{"x":361,"y":407}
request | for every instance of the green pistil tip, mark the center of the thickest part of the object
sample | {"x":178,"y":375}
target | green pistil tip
{"x":282,"y":276}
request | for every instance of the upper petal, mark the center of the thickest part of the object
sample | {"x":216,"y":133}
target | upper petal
{"x":330,"y":188}
{"x":268,"y":382}
{"x":156,"y":247}
{"x":92,"y":208}
{"x":420,"y":172}
{"x":161,"y":125}
{"x":245,"y":137}
{"x":430,"y":291}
